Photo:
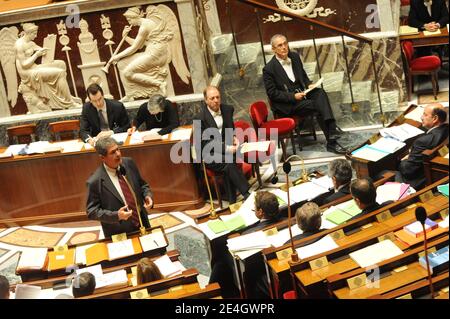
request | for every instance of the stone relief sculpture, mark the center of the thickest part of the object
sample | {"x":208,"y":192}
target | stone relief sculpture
{"x":146,"y":73}
{"x":91,"y":67}
{"x":43,"y":86}
{"x":305,"y":8}
{"x":8,"y":37}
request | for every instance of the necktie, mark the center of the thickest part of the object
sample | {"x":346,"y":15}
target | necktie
{"x":103,"y":125}
{"x":286,"y":62}
{"x":129,"y":199}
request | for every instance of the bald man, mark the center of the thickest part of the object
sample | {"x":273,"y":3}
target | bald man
{"x":411,"y":170}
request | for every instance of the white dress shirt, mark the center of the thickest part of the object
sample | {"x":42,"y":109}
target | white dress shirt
{"x":217,"y":116}
{"x":287,"y":66}
{"x":112,"y":173}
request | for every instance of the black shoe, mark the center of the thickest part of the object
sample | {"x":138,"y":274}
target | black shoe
{"x":336,"y":148}
{"x":246,"y":195}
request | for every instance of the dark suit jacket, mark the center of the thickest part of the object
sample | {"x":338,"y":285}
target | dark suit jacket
{"x":215,"y":145}
{"x":168,"y":121}
{"x":411,"y":169}
{"x":418,"y":13}
{"x":261,"y":225}
{"x":279,"y":88}
{"x":336,"y":195}
{"x":104,"y":201}
{"x":90,"y":122}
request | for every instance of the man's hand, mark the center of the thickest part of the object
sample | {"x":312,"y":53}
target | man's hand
{"x":431,"y":27}
{"x":131,"y":130}
{"x":299,"y":96}
{"x":148,"y":203}
{"x":91,"y":142}
{"x":124,"y":213}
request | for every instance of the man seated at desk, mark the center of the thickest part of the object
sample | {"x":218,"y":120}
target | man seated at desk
{"x":117,"y":194}
{"x":266,"y":210}
{"x":411,"y":170}
{"x":364,"y":193}
{"x":158,"y":112}
{"x":309,"y":220}
{"x":340,"y":172}
{"x":101,"y":115}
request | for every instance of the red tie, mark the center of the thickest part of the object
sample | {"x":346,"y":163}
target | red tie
{"x":129,"y":199}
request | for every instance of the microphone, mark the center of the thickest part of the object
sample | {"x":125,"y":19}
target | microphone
{"x":421,"y":216}
{"x":287,"y":167}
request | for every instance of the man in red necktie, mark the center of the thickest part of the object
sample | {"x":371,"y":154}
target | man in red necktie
{"x":117,"y":194}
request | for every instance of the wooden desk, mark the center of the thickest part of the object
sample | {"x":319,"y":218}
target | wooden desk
{"x":436,"y":168}
{"x":420,"y":40}
{"x":52,"y":187}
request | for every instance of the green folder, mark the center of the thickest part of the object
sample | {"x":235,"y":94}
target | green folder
{"x":280,"y":201}
{"x":443,"y":189}
{"x":217,"y":226}
{"x":235,"y":223}
{"x":352,"y":209}
{"x":338,"y":217}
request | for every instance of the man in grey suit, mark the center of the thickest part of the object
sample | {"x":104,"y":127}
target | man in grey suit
{"x":110,"y":198}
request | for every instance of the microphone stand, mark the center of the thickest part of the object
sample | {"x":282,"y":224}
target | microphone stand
{"x":141,"y":228}
{"x":212,"y":211}
{"x":427,"y":261}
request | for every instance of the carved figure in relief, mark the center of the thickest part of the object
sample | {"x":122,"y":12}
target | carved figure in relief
{"x":43,"y":86}
{"x":144,"y":74}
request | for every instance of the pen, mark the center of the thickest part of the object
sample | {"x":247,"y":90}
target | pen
{"x":155,"y":243}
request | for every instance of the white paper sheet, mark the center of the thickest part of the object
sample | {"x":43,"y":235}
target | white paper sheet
{"x":325,"y":244}
{"x":80,"y":254}
{"x":181,"y":134}
{"x":166,"y":266}
{"x":255,"y":240}
{"x":24,"y":291}
{"x":120,"y":249}
{"x":32,"y":258}
{"x":401,"y":132}
{"x":375,"y":253}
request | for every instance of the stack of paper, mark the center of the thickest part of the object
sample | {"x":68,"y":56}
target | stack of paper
{"x":416,"y":114}
{"x":27,"y":292}
{"x":415,"y":229}
{"x":15,"y":149}
{"x":391,"y":191}
{"x":136,"y":138}
{"x":261,"y":146}
{"x":181,"y":134}
{"x":407,"y":30}
{"x":120,"y":137}
{"x":153,"y":241}
{"x":444,"y":223}
{"x":120,"y":249}
{"x":167,"y":267}
{"x":282,"y":236}
{"x":375,"y":253}
{"x":111,"y":280}
{"x":323,"y":245}
{"x":309,"y":190}
{"x":387,"y":144}
{"x":80,"y":254}
{"x":32,"y":259}
{"x":153,"y":135}
{"x":70,"y":146}
{"x":369,"y":153}
{"x":256,"y":240}
{"x":342,"y":213}
{"x":401,"y":132}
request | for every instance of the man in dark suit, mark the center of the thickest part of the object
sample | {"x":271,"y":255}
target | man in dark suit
{"x":101,"y":115}
{"x":340,"y":172}
{"x":364,"y":193}
{"x":219,"y":145}
{"x":117,"y":194}
{"x":266,"y":210}
{"x":285,"y":81}
{"x":411,"y":170}
{"x":309,"y":220}
{"x":429,"y":15}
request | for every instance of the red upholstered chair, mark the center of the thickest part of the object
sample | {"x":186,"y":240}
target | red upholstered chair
{"x":285,"y":126}
{"x":250,"y":136}
{"x":22,"y":134}
{"x":426,"y":65}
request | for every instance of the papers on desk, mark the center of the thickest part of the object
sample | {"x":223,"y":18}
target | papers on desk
{"x":111,"y":280}
{"x":261,"y":146}
{"x":167,"y":267}
{"x":15,"y":149}
{"x":5,"y":154}
{"x":375,"y":253}
{"x":70,"y":146}
{"x":80,"y":254}
{"x":401,"y":132}
{"x":428,"y":33}
{"x":282,"y":236}
{"x":310,"y":190}
{"x":415,"y":114}
{"x":181,"y":134}
{"x":444,"y":223}
{"x":27,"y":292}
{"x":136,"y":138}
{"x":32,"y":259}
{"x":446,"y":156}
{"x":407,"y":30}
{"x":325,"y":244}
{"x":120,"y":137}
{"x":256,"y":240}
{"x":153,"y":241}
{"x":336,"y":215}
{"x":96,"y":270}
{"x":313,"y":86}
{"x":120,"y":249}
{"x":153,"y":135}
{"x":368,"y":153}
{"x":387,"y":144}
{"x":393,"y":191}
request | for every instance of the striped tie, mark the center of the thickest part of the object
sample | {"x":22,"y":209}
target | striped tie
{"x":129,"y":199}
